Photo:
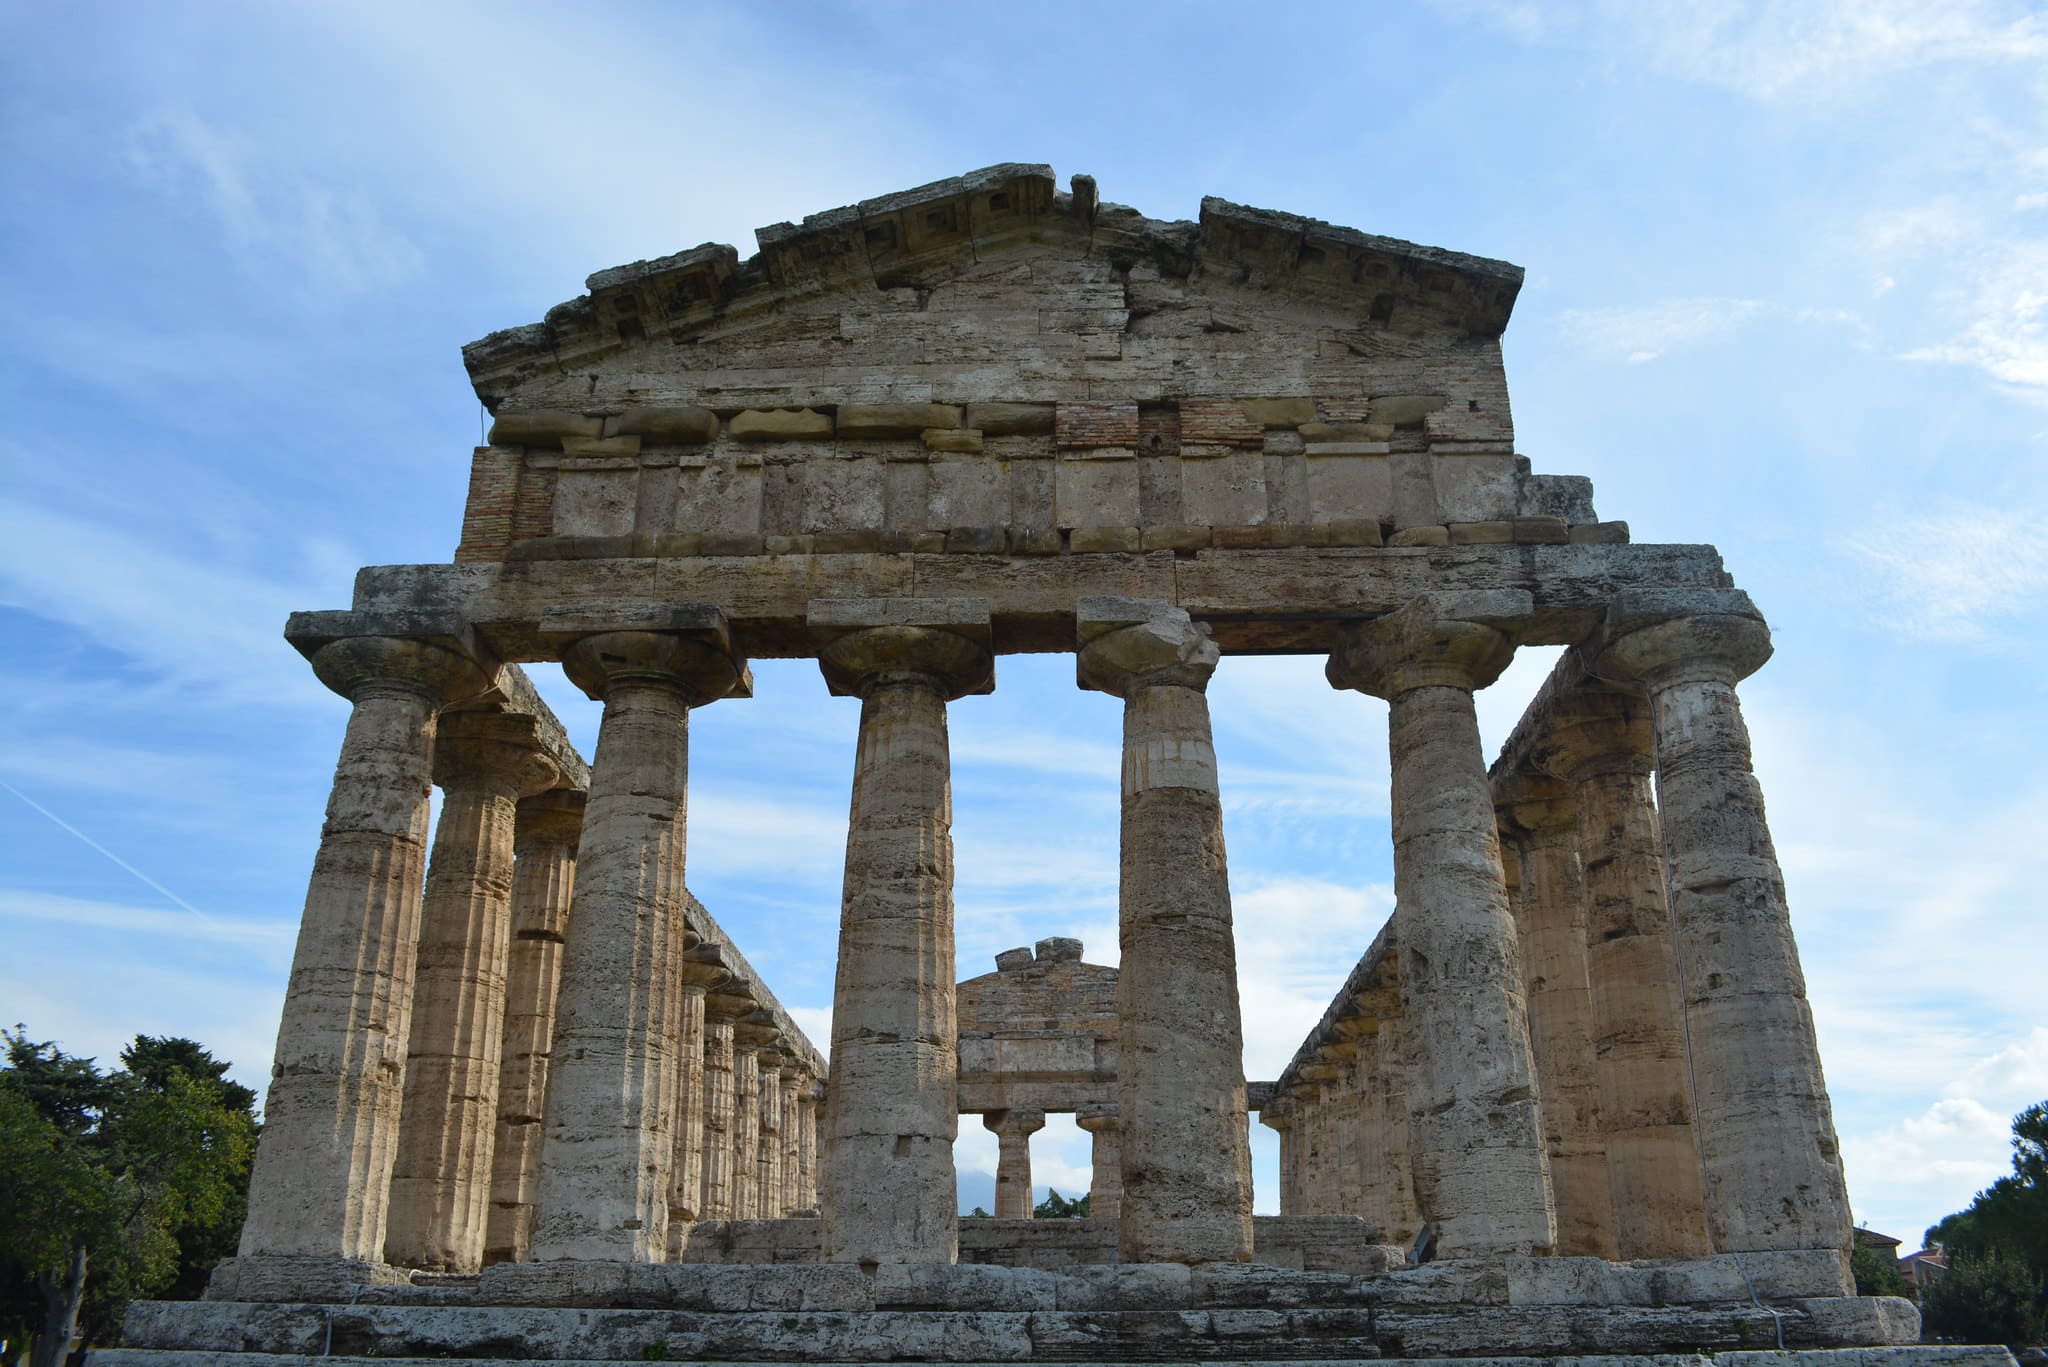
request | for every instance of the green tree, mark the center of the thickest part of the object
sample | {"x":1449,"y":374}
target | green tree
{"x":1987,"y":1298}
{"x":1876,"y":1272}
{"x":100,"y":1174}
{"x":2010,"y":1215}
{"x":1058,"y":1207}
{"x":1996,"y":1287}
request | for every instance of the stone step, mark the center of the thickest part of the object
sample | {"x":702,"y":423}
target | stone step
{"x":1908,"y":1356}
{"x":557,"y":1334}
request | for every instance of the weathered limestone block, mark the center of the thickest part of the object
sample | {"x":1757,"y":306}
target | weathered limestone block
{"x":1013,"y":1131}
{"x":723,"y":1009}
{"x":780,"y":424}
{"x":1601,"y":743}
{"x":611,"y":1104}
{"x":1096,"y":488}
{"x":1106,"y":1176}
{"x":1766,"y":1131}
{"x":1349,"y":484}
{"x":718,"y":493}
{"x":321,"y":1184}
{"x":1481,"y":1173}
{"x":596,"y":497}
{"x":545,"y":834}
{"x":541,"y":428}
{"x":1540,"y":822}
{"x":843,"y":495}
{"x":664,"y":426}
{"x":1010,"y":419}
{"x":887,"y":1185}
{"x":441,"y":1178}
{"x":1180,"y":1074}
{"x":1476,"y":487}
{"x":1222,"y":487}
{"x":895,"y":419}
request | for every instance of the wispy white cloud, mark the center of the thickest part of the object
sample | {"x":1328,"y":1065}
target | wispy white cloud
{"x":299,"y":232}
{"x":1637,"y":333}
{"x":2001,"y":309}
{"x":196,"y":627}
{"x":1782,"y":49}
{"x":1961,"y":574}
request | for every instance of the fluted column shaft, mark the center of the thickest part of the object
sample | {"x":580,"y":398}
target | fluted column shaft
{"x":1481,"y":1171}
{"x":788,"y":1198}
{"x":1601,"y":743}
{"x":807,"y":1181}
{"x":887,"y":1186}
{"x":1550,"y":914}
{"x":1400,"y":1219}
{"x":1105,"y":1161}
{"x":768,"y":1161}
{"x":746,"y":1126}
{"x":321,"y":1183}
{"x":1013,"y":1131}
{"x":607,"y":1170}
{"x":440,"y":1180}
{"x":702,"y":970}
{"x":721,"y":1104}
{"x":545,"y":833}
{"x":1772,"y":1163}
{"x":1180,"y":1074}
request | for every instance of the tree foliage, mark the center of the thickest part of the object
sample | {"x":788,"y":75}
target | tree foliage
{"x":1058,"y":1207}
{"x":1876,"y":1272}
{"x":1996,"y":1287}
{"x":112,"y":1185}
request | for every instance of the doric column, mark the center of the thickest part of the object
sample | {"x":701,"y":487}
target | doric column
{"x":1187,"y":1191}
{"x":795,"y":1076}
{"x":1540,"y":819}
{"x":1766,"y":1131}
{"x":703,"y":968}
{"x":1599,"y":741}
{"x":886,"y":1183}
{"x":1013,"y":1130}
{"x":1279,"y":1115}
{"x":441,"y":1180}
{"x":322,"y":1179}
{"x":1106,"y":1163}
{"x":807,"y":1181}
{"x":544,"y":839}
{"x":1482,"y":1179}
{"x":749,"y":1037}
{"x":606,"y":1171}
{"x":768,"y":1145}
{"x":723,"y":1009}
{"x":1400,"y":1219}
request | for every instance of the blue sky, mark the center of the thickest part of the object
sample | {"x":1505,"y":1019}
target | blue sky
{"x":1787,"y":293}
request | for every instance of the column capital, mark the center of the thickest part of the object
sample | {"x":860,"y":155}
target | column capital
{"x":429,"y":667}
{"x":1537,"y":806}
{"x":554,"y":817}
{"x":1450,"y":640}
{"x":1125,"y":644}
{"x":730,"y":1001}
{"x":493,"y":747}
{"x":1098,"y":1117}
{"x":866,"y":642}
{"x":757,"y":1031}
{"x":688,"y":647}
{"x":1655,"y":640}
{"x":1597,"y":729}
{"x":1280,"y":1113}
{"x":1014,"y":1123}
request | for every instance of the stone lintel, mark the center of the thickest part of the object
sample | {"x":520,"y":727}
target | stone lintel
{"x":1371,"y":991}
{"x":1294,"y":601}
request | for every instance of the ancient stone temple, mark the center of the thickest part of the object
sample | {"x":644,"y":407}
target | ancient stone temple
{"x":531,"y":1102}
